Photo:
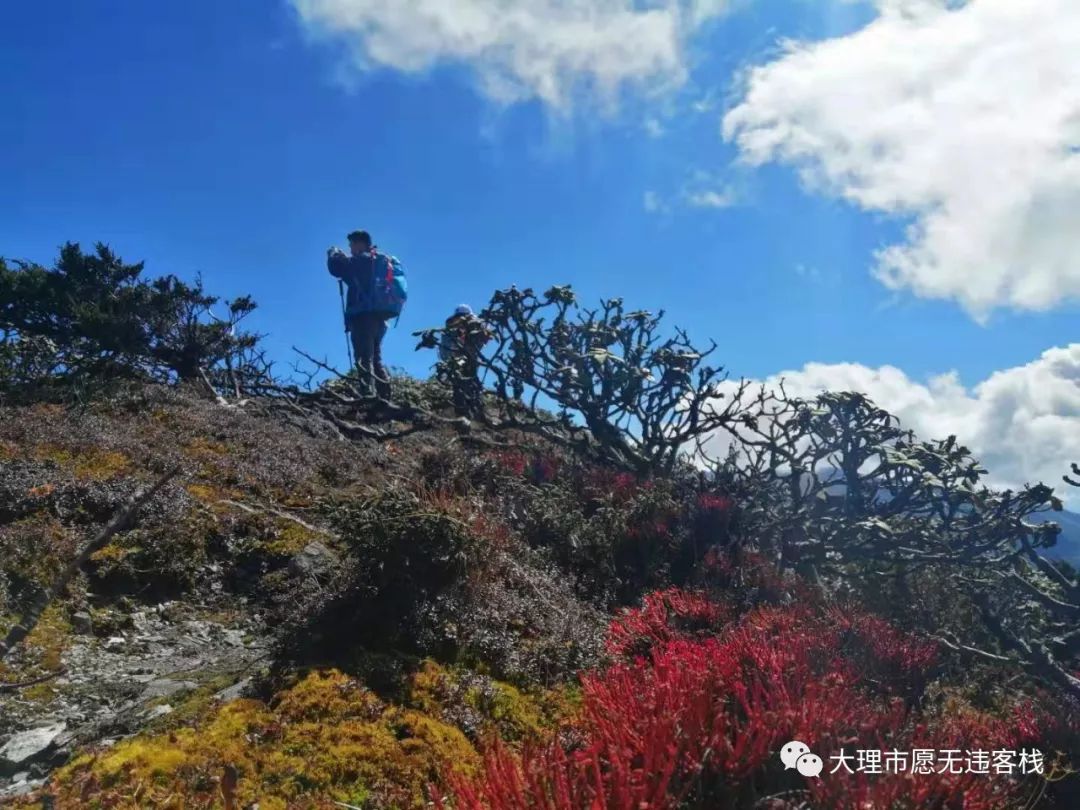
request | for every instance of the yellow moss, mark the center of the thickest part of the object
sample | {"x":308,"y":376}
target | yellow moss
{"x":428,"y":687}
{"x":40,"y":693}
{"x":327,"y":694}
{"x":508,"y":707}
{"x":433,"y":741}
{"x":92,"y":463}
{"x":59,"y":455}
{"x":203,"y":449}
{"x":43,"y":650}
{"x":111,"y":552}
{"x":102,"y":464}
{"x":514,"y":714}
{"x":212,"y":495}
{"x":49,"y":638}
{"x":162,"y":415}
{"x":326,"y":737}
{"x":291,"y":537}
{"x":150,"y":759}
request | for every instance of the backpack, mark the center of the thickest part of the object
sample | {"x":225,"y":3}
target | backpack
{"x":389,"y":288}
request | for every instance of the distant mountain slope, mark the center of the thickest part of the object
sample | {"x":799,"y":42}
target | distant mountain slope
{"x":1068,"y":544}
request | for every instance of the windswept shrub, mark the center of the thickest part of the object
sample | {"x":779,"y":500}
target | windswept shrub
{"x":402,"y":554}
{"x":624,"y":390}
{"x":92,"y":318}
{"x":431,"y":574}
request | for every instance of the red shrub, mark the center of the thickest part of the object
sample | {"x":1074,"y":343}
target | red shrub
{"x":603,"y":484}
{"x":663,"y":617}
{"x":712,"y":503}
{"x":699,"y":723}
{"x":540,"y":467}
{"x":544,"y":468}
{"x":513,"y":461}
{"x":891,"y":655}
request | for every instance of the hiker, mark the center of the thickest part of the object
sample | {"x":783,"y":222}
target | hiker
{"x":463,"y":336}
{"x":376,"y":293}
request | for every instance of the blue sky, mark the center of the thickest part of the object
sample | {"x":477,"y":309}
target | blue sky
{"x":240,"y":139}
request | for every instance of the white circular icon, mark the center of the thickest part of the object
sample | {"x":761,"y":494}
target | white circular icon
{"x":809,"y":764}
{"x":791,"y":752}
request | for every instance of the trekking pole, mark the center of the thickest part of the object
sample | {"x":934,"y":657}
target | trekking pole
{"x":345,"y":320}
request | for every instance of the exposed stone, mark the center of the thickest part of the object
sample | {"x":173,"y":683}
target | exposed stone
{"x":21,"y":787}
{"x":28,"y":746}
{"x":165,"y":687}
{"x":82,"y":623}
{"x":159,"y":711}
{"x":233,"y":637}
{"x":233,"y":692}
{"x":314,"y":560}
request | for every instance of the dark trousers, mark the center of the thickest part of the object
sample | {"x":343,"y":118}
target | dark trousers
{"x":465,"y":383}
{"x":367,"y":332}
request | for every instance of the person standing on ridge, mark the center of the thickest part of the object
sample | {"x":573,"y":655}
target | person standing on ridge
{"x":376,"y":293}
{"x":463,"y":336}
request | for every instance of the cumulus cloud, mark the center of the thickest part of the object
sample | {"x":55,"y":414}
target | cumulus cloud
{"x":705,"y":189}
{"x":1022,"y":423}
{"x":963,"y":120}
{"x":711,"y":198}
{"x":550,"y":50}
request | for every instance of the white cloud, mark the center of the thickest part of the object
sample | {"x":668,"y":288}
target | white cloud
{"x":654,"y":128}
{"x":963,"y":120}
{"x":651,"y":201}
{"x":703,"y":189}
{"x":1022,"y":423}
{"x":712,"y":198}
{"x":550,"y":50}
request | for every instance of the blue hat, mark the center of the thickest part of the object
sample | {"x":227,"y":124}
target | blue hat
{"x":463,"y":309}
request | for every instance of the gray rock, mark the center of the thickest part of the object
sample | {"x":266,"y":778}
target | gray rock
{"x":234,"y":691}
{"x":27,"y":746}
{"x":234,"y":638}
{"x":21,"y":788}
{"x":314,"y":560}
{"x":165,"y":687}
{"x":159,"y":711}
{"x":82,"y":623}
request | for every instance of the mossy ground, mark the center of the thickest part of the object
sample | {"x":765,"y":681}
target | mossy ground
{"x":217,"y":540}
{"x":324,"y":738}
{"x":40,"y":653}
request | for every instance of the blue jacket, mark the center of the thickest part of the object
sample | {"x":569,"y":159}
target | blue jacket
{"x":358,"y":274}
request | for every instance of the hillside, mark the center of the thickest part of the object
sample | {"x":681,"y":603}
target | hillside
{"x":229,"y":633}
{"x":220,"y":588}
{"x":175,"y":616}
